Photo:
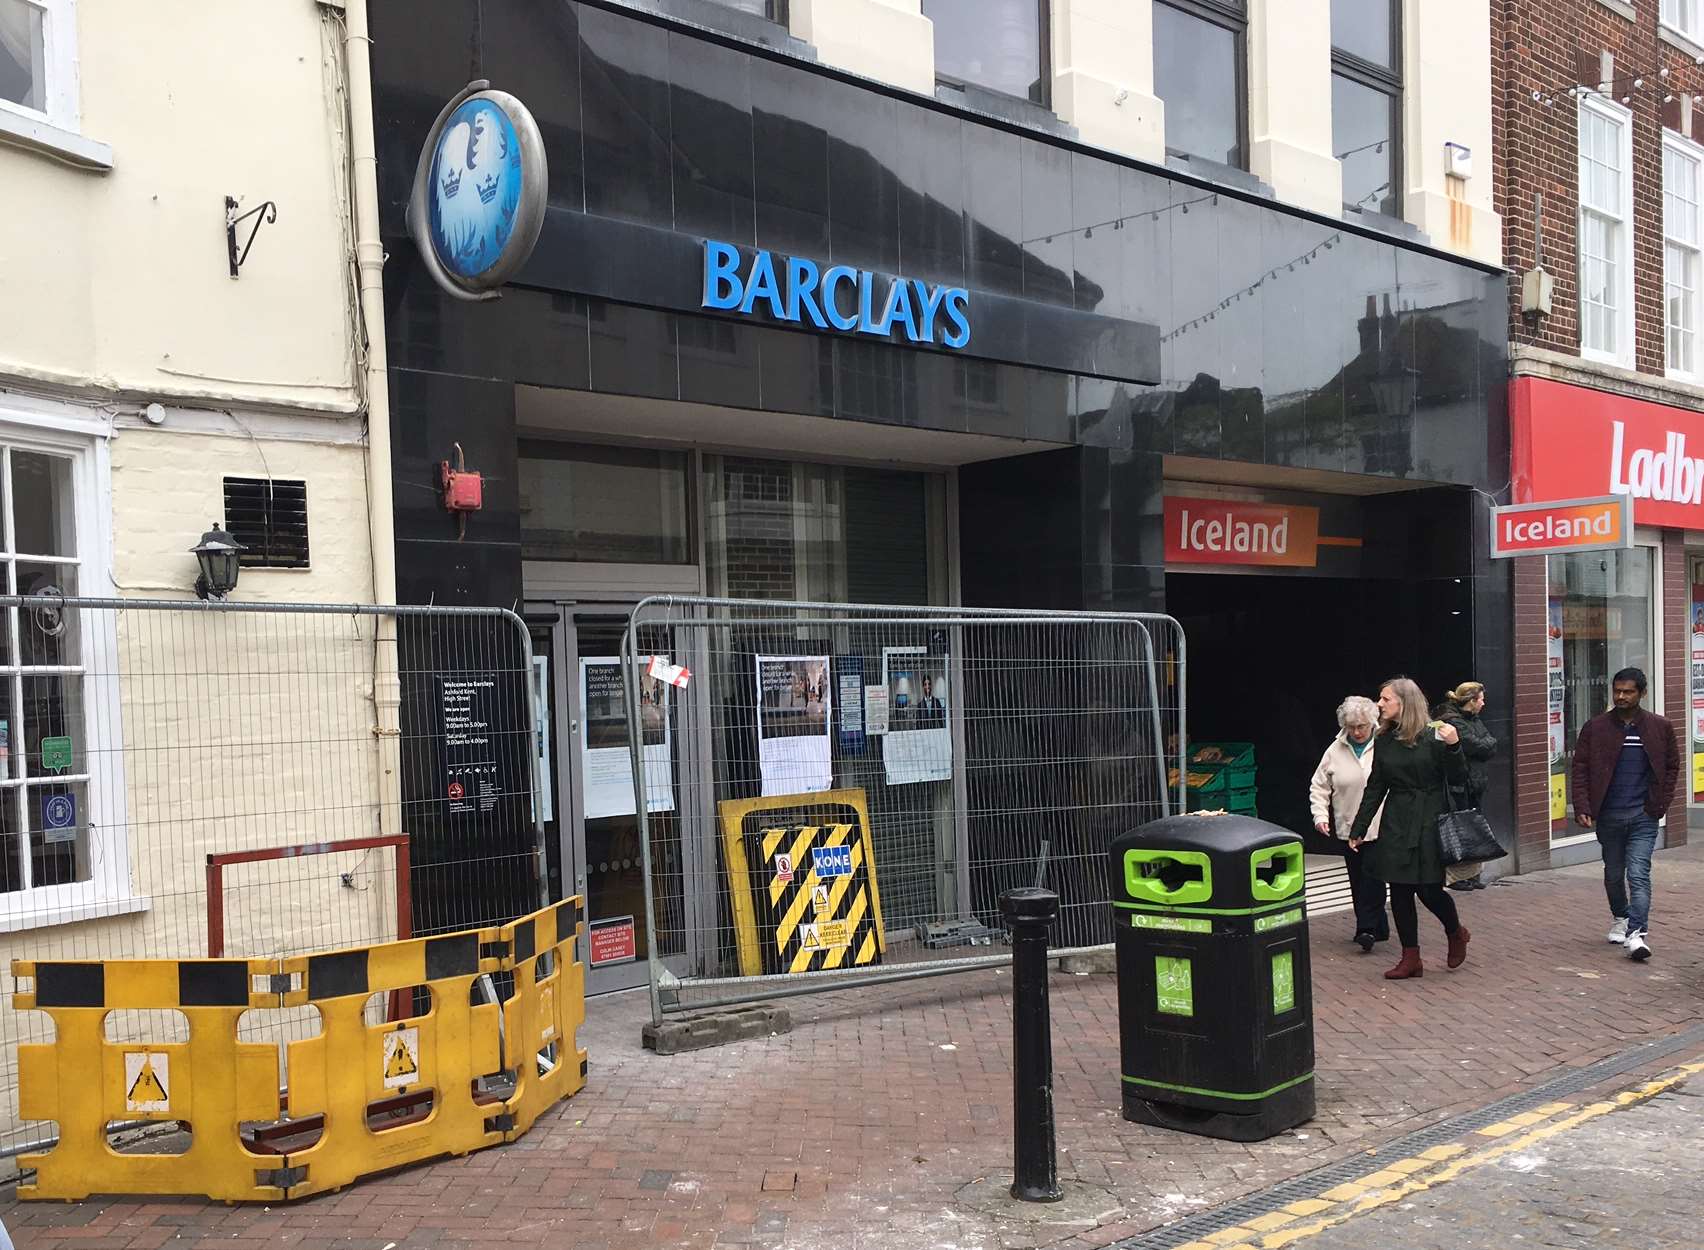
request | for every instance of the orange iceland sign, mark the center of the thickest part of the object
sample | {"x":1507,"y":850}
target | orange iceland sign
{"x":1565,"y":525}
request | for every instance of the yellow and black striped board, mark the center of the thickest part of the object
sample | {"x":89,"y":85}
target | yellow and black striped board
{"x":810,"y":900}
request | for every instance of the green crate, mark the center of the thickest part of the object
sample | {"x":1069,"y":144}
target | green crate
{"x":1220,"y":755}
{"x":1216,"y":781}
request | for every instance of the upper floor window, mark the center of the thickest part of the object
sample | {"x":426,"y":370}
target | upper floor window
{"x":1683,"y":15}
{"x":1366,"y":103}
{"x":1606,"y":232}
{"x":1000,"y":45}
{"x":1198,"y":73}
{"x":38,"y":59}
{"x":1682,"y":162}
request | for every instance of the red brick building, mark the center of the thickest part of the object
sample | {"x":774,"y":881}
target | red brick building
{"x":1598,"y":118}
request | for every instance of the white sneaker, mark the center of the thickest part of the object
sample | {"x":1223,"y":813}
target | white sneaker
{"x":1618,"y":932}
{"x":1637,"y":947}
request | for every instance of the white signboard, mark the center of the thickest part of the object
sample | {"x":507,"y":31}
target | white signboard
{"x":606,"y":758}
{"x":794,"y":720}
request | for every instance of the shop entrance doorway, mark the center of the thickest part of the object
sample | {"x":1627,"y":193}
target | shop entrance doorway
{"x":1271,"y":657}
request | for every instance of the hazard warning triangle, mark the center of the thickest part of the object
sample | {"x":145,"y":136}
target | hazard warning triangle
{"x":401,"y":1062}
{"x":146,"y":1087}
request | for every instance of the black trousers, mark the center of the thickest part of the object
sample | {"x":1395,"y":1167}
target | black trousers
{"x":1367,"y":891}
{"x":1369,"y":895}
{"x":1437,"y":901}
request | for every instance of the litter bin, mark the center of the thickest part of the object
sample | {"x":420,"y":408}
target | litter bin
{"x":1215,"y":1008}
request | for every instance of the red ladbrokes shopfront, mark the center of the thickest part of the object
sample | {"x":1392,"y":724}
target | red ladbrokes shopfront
{"x":1581,"y":616}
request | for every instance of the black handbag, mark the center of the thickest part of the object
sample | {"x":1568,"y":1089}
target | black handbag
{"x":1464,"y":836}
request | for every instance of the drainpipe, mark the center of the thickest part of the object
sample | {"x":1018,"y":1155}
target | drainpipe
{"x":370,"y":264}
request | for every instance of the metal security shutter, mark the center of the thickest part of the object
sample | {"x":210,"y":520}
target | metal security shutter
{"x":887,"y":537}
{"x":270,"y":518}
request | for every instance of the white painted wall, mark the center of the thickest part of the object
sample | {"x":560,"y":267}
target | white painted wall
{"x":1103,"y":75}
{"x":1447,"y":98}
{"x":119,"y":280}
{"x":117,"y":293}
{"x":888,"y":40}
{"x":1289,"y":102}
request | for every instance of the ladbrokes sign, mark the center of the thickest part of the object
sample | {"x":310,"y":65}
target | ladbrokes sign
{"x":1570,"y":442}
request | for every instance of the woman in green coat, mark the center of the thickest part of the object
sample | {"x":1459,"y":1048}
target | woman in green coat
{"x":1415,"y":759}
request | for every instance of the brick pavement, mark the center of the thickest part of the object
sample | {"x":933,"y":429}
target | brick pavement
{"x":860,"y":1127}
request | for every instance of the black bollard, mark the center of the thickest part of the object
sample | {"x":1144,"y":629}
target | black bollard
{"x":1029,"y":913}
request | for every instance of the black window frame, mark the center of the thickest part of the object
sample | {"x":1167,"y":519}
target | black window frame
{"x":1386,"y":80}
{"x":1231,"y":16}
{"x":1044,"y":66}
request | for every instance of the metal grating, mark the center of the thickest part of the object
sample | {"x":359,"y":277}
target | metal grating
{"x":270,"y":518}
{"x":1313,"y":1184}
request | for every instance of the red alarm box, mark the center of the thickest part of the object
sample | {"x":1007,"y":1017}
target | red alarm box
{"x":464,"y":491}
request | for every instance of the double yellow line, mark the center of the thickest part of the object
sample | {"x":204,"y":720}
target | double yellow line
{"x":1406,"y":1177}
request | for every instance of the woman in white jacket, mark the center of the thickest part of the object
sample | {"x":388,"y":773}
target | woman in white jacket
{"x":1335,"y":797}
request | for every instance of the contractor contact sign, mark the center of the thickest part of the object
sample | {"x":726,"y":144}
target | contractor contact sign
{"x":1530,"y":529}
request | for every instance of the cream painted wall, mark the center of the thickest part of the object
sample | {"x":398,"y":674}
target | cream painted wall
{"x":888,"y":40}
{"x":119,"y":280}
{"x":168,"y":486}
{"x":1289,"y":102}
{"x":1447,"y":99}
{"x":1103,"y":75}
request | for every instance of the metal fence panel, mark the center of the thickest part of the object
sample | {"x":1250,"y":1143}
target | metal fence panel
{"x":140,"y":741}
{"x":989,"y":749}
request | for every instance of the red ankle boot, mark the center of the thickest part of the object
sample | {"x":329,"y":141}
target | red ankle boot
{"x":1458,"y":945}
{"x":1408,"y":966}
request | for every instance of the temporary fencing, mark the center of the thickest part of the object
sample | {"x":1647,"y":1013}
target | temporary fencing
{"x":834,"y":794}
{"x":453,"y":1071}
{"x":254,"y":780}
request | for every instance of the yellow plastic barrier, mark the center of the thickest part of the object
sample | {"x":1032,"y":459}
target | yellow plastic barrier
{"x":361,"y":1098}
{"x":542,"y":1016}
{"x":212,"y":1082}
{"x":403,"y":1090}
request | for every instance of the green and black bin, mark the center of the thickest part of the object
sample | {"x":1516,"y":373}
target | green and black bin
{"x":1215,"y":1004}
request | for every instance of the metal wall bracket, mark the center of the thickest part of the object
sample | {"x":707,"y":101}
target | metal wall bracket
{"x":232,"y":221}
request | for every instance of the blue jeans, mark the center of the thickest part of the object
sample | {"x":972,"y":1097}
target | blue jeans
{"x":1628,"y":838}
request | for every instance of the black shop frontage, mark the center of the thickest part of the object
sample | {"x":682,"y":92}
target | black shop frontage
{"x":786,"y":334}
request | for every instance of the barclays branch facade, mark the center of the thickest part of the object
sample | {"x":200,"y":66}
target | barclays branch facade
{"x":788,"y":333}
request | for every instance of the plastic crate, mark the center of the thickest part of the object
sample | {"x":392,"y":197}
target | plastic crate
{"x":1218,"y":782}
{"x":1221,"y":755}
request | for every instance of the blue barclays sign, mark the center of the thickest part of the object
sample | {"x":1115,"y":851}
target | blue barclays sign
{"x":797,"y":291}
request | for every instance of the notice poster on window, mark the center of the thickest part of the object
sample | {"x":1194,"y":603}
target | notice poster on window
{"x":1698,"y":691}
{"x":794,"y":721}
{"x":606,"y":755}
{"x":1557,"y":691}
{"x":918,"y":745}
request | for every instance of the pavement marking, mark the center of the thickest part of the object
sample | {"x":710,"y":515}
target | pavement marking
{"x":1359,"y":1197}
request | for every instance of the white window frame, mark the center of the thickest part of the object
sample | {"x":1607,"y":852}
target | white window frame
{"x":56,"y":129}
{"x":1686,"y":150}
{"x":1684,"y":17}
{"x":109,"y":890}
{"x":1624,"y":355}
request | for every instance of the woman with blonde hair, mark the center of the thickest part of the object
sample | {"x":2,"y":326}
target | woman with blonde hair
{"x":1335,"y":796}
{"x":1461,"y":707}
{"x":1416,"y":759}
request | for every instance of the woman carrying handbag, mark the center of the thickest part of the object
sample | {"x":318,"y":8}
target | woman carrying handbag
{"x":1414,"y":761}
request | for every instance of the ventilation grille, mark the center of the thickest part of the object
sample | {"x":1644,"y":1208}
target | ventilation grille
{"x":270,"y":518}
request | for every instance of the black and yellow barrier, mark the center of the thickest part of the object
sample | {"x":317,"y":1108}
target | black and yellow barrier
{"x":445,"y":1075}
{"x":804,"y":894}
{"x":212,"y":1081}
{"x":543,"y":1015}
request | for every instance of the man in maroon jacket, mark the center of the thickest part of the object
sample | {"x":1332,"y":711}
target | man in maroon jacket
{"x":1626,"y":768}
